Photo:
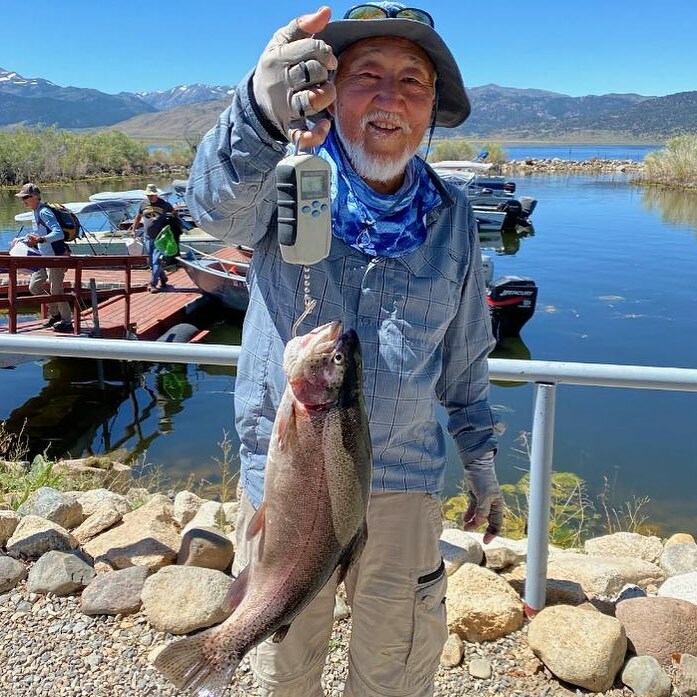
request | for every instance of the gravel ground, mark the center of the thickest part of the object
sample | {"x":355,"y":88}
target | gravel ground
{"x":48,"y":647}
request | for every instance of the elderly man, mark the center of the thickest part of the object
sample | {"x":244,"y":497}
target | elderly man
{"x":404,"y":270}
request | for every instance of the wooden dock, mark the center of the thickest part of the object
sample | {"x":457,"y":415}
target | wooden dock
{"x":124,"y":307}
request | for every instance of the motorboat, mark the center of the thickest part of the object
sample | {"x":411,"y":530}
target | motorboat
{"x":106,"y":227}
{"x":491,"y":196}
{"x":222,"y":279}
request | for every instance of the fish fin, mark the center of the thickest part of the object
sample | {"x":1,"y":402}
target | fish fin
{"x":280,"y":634}
{"x":190,"y":665}
{"x":286,"y":424}
{"x":256,"y":524}
{"x":237,"y":590}
{"x":352,"y":551}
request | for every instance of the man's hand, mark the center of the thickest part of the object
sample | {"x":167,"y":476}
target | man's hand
{"x":486,"y":501}
{"x":291,"y":79}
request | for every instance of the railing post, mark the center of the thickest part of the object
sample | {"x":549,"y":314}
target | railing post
{"x":539,"y":503}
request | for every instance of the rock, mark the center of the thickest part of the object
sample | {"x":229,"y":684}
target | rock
{"x":625,"y":544}
{"x":479,"y":668}
{"x":480,"y":605}
{"x":683,"y":586}
{"x":659,"y":627}
{"x":35,"y":536}
{"x":558,"y":592}
{"x":186,"y":505}
{"x":53,"y":505}
{"x":100,"y":520}
{"x":95,"y":500}
{"x":207,"y":516}
{"x":115,"y":593}
{"x":679,"y":558}
{"x":453,"y":651}
{"x":182,"y":599}
{"x":646,"y":678}
{"x":457,"y":548}
{"x":686,"y":675}
{"x":584,"y":648}
{"x":12,"y":571}
{"x":601,"y":576}
{"x":499,"y":558}
{"x":341,"y":609}
{"x":678,"y":539}
{"x":148,"y":536}
{"x":60,"y":573}
{"x":8,"y":524}
{"x":207,"y":548}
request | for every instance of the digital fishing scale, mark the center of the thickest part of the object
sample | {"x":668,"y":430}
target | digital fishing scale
{"x":304,"y":208}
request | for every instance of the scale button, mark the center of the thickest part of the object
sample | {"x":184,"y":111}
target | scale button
{"x":306,"y":209}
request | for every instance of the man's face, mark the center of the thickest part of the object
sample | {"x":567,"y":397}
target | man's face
{"x":385,"y":95}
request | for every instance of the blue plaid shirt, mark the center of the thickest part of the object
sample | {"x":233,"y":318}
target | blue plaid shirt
{"x":422,"y":318}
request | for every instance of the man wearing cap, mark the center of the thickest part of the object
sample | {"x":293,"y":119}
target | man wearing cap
{"x":47,"y":238}
{"x":404,"y":270}
{"x":153,"y":213}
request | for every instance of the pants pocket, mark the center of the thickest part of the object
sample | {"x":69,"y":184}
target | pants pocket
{"x":430,"y":627}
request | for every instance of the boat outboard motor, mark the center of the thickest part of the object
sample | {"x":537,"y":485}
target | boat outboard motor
{"x":511,"y":302}
{"x":514,"y":213}
{"x":527,"y":204}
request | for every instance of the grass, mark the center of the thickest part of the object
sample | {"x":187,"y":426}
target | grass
{"x":573,"y":515}
{"x":673,"y":166}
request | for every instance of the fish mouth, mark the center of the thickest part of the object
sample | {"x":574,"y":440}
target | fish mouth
{"x":324,"y":338}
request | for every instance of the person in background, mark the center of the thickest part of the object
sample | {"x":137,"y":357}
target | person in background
{"x":47,"y":238}
{"x":154,"y":214}
{"x":405,"y":271}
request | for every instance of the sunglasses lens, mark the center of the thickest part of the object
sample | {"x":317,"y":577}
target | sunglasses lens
{"x":416,"y":15}
{"x":366,"y":12}
{"x":373,"y":12}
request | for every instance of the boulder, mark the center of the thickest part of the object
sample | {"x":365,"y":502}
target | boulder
{"x":659,"y":627}
{"x":585,"y":648}
{"x":182,"y":599}
{"x":480,"y":605}
{"x":149,"y":536}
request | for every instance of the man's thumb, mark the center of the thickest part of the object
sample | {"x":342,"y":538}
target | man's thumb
{"x":317,"y":21}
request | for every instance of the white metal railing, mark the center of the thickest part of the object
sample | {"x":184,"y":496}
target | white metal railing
{"x":546,"y":375}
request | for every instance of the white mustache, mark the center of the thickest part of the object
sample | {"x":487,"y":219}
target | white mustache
{"x":388,"y":118}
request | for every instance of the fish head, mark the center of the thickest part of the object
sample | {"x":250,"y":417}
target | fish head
{"x":321,"y":364}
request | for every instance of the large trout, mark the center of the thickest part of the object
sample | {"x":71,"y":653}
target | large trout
{"x":312,"y":517}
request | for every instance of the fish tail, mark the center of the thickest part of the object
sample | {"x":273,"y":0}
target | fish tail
{"x":191,"y":665}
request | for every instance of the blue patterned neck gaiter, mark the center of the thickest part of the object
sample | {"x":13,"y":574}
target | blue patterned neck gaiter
{"x":379,"y":225}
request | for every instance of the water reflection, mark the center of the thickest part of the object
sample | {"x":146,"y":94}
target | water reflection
{"x":505,"y":242}
{"x":74,"y":411}
{"x":676,"y":206}
{"x":93,"y":407}
{"x":511,"y":347}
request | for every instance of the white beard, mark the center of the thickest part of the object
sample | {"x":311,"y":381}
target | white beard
{"x":371,"y":167}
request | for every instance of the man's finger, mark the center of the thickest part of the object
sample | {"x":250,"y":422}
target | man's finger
{"x":301,"y":27}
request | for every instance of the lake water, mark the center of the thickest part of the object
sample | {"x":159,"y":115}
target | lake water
{"x":615,"y":266}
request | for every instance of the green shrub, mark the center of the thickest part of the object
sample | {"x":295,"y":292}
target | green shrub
{"x":674,"y":165}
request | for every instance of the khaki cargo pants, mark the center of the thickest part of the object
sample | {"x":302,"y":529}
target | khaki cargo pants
{"x":397,"y":597}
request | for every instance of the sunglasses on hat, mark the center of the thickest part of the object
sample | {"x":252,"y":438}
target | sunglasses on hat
{"x":376,"y":12}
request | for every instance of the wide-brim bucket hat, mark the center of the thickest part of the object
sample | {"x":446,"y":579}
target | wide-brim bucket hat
{"x":453,"y":105}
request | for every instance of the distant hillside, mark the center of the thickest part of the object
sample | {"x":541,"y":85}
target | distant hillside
{"x":185,"y":123}
{"x":186,"y":112}
{"x":185,"y":94}
{"x":39,"y":102}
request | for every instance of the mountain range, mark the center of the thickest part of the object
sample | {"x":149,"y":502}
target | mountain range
{"x":185,"y":112}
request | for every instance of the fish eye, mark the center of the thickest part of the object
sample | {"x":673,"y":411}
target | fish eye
{"x":338,"y":358}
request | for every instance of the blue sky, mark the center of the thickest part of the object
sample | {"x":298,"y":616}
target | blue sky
{"x":576,"y":48}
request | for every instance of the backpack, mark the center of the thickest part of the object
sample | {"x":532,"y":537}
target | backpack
{"x":69,"y":222}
